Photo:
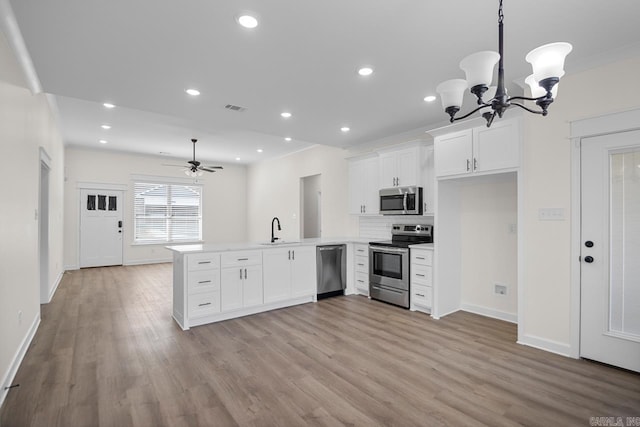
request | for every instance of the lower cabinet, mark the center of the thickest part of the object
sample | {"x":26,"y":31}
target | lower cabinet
{"x":289,"y":273}
{"x":241,"y":280}
{"x":421,"y":282}
{"x":361,"y":268}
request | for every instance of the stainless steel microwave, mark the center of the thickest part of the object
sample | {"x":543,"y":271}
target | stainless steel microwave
{"x":401,"y":201}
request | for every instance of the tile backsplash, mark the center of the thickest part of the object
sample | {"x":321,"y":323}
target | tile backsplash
{"x":379,"y":227}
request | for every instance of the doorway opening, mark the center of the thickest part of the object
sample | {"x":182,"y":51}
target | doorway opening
{"x":43,"y":226}
{"x":310,"y":207}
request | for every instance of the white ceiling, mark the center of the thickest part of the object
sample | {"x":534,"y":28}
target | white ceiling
{"x":141,"y":55}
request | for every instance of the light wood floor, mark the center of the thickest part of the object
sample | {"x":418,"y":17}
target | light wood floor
{"x":108,"y":354}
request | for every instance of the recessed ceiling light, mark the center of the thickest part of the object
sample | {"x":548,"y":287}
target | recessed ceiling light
{"x":429,"y":98}
{"x":103,"y":141}
{"x":259,"y":150}
{"x":286,"y":114}
{"x":288,"y":139}
{"x":237,"y":159}
{"x":108,"y":105}
{"x":192,"y":92}
{"x":365,"y":71}
{"x":105,"y":127}
{"x":345,"y":129}
{"x":247,"y":21}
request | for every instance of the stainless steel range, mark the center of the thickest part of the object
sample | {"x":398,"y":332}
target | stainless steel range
{"x":389,"y":263}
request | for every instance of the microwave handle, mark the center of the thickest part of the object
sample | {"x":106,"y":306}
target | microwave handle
{"x":404,"y":202}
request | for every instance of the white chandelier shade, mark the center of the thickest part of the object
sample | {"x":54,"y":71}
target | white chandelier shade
{"x":536,"y":90}
{"x":479,"y":66}
{"x":548,"y":60}
{"x":451,"y":92}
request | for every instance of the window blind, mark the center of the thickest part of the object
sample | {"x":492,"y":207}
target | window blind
{"x":167,"y":212}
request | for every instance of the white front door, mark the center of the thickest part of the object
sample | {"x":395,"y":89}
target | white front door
{"x":610,"y":249}
{"x":100,"y":227}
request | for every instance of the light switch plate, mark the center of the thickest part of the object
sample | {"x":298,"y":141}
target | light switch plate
{"x":551,"y":214}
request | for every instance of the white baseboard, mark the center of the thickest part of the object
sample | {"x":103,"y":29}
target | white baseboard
{"x":55,"y":287}
{"x":148,"y":261}
{"x":490,"y":312}
{"x":556,"y":347}
{"x":8,"y":377}
{"x":71,"y":267}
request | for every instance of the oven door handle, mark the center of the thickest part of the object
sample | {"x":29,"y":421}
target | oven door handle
{"x":387,"y":289}
{"x":389,"y":249}
{"x":404,"y":202}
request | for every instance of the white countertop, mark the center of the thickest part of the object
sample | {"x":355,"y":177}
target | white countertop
{"x":225,"y":247}
{"x":422,"y":246}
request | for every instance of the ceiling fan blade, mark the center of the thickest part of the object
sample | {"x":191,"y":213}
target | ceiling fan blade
{"x":214,"y":167}
{"x":177,"y":166}
{"x":202,"y":168}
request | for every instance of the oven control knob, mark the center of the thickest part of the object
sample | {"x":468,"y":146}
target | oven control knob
{"x":418,"y":228}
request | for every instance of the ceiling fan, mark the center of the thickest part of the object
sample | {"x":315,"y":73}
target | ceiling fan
{"x":194,"y":167}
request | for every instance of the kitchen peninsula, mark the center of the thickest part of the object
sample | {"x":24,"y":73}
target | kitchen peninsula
{"x":215,"y":282}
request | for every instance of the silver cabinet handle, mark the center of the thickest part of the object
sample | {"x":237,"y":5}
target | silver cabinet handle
{"x":204,"y":304}
{"x":293,"y":255}
{"x":364,"y":208}
{"x":205,"y":281}
{"x":243,"y":259}
{"x":475,"y":163}
{"x":421,"y":275}
{"x":420,"y":295}
{"x":397,"y":180}
{"x":240,"y":274}
{"x":468,"y":165}
{"x":361,"y":264}
{"x":245,"y":273}
{"x":419,"y":257}
{"x":204,"y":262}
{"x":289,"y":257}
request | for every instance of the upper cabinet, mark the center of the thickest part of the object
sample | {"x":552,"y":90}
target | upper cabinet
{"x":400,"y":168}
{"x":363,"y":186}
{"x":479,"y":150}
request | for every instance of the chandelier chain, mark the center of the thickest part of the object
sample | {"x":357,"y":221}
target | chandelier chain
{"x":500,"y":14}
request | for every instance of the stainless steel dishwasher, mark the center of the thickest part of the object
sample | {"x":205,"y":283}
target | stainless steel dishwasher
{"x":332,"y":263}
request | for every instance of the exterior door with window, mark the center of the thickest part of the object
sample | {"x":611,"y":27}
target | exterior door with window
{"x":100,"y":227}
{"x":610,"y":249}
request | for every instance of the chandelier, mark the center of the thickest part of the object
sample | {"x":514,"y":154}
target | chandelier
{"x":547,"y":62}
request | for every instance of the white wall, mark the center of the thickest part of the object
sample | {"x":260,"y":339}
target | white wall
{"x":489,"y":244}
{"x":274,"y":190}
{"x":224,"y":199}
{"x":546,"y":184}
{"x":26,"y":125}
{"x":311,"y":191}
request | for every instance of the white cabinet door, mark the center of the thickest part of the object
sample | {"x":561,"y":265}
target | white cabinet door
{"x":497,"y":147}
{"x":252,"y":294}
{"x":371,"y":187}
{"x":453,"y":153}
{"x":407,"y":167}
{"x":356,"y":185}
{"x":303,"y":272}
{"x":388,"y":170}
{"x":363,"y":186}
{"x":276,"y":272}
{"x":231,"y":288}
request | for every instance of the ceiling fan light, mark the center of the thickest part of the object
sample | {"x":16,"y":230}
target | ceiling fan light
{"x":451,"y":92}
{"x":537,"y":91}
{"x":187,"y":172}
{"x":478,"y":67}
{"x":548,"y":60}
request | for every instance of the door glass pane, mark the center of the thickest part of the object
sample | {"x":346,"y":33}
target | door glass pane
{"x":113,"y":203}
{"x":624,"y":297}
{"x":91,"y":202}
{"x":102,"y":202}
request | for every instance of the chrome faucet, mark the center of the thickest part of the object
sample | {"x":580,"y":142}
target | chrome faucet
{"x":275,"y":218}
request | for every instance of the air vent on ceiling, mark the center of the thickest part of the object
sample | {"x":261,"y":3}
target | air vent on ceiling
{"x":235,"y":108}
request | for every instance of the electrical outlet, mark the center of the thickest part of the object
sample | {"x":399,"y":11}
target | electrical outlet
{"x":499,"y":289}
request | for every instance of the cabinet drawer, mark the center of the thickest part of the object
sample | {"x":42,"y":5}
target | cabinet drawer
{"x":204,"y":304}
{"x":421,"y":275}
{"x":203,"y":281}
{"x":421,"y":295}
{"x":238,"y":259}
{"x":362,"y":250}
{"x":421,"y":257}
{"x":205,"y":261}
{"x":362,"y":264}
{"x":362,"y":281}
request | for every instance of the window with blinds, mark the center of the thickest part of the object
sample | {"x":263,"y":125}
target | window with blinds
{"x":167,"y":212}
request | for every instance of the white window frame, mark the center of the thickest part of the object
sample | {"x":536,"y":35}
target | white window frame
{"x":168,"y":182}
